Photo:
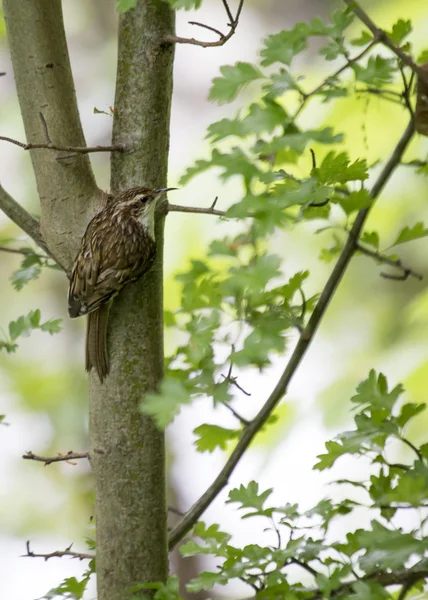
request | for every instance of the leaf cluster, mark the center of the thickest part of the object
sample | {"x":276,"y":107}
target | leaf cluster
{"x":366,"y":561}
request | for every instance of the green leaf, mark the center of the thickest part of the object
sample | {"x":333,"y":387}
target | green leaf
{"x":368,"y":590}
{"x":334,"y":451}
{"x":30,"y":269}
{"x":284,"y":46}
{"x":211,"y":437}
{"x":356,"y":201}
{"x":336,"y":168}
{"x":423,"y":57}
{"x":185,"y":4}
{"x":279,"y":83}
{"x":234,"y":79}
{"x":166,"y":404}
{"x":52,"y":326}
{"x":248,"y":496}
{"x":261,"y":118}
{"x":373,"y":392}
{"x":408,"y":234}
{"x":371,"y":238}
{"x":122,"y":6}
{"x":206,"y":581}
{"x":364,"y":39}
{"x":379,"y":70}
{"x":21,"y":327}
{"x":386,"y":548}
{"x":400,"y":30}
{"x":408,"y":412}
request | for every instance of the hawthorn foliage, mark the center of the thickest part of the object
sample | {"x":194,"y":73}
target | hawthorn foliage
{"x":238,"y":308}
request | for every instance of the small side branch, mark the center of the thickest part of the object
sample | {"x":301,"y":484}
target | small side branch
{"x":223,"y":37}
{"x":21,"y":217}
{"x":58,"y":554}
{"x":48,"y":460}
{"x":382,"y":36}
{"x":195,"y":209}
{"x":397,"y":264}
{"x":74,"y":149}
{"x":24,"y":251}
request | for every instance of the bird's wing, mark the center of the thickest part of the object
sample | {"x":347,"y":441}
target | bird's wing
{"x":105,"y":263}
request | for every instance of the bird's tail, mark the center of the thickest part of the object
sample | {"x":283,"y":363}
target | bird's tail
{"x":96,"y":342}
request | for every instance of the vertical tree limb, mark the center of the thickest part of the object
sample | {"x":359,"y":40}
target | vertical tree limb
{"x":127,"y":451}
{"x":45,"y":85}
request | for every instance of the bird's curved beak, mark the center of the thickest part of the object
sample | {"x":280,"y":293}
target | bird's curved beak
{"x":164,"y":190}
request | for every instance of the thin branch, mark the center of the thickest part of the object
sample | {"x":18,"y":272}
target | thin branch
{"x":240,"y":418}
{"x":21,"y":217}
{"x":384,"y":38}
{"x":308,"y":568}
{"x":195,"y":209}
{"x":217,"y":31}
{"x":413,"y":447}
{"x":405,"y":590}
{"x":224,"y":37}
{"x":227,"y":9}
{"x":349,"y":63}
{"x":305,"y":339}
{"x":25,"y":251}
{"x":48,"y":460}
{"x":75,"y":149}
{"x":175,"y":511}
{"x":389,"y":261}
{"x":58,"y":554}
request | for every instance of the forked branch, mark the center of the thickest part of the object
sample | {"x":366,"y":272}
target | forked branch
{"x":384,"y":38}
{"x":223,"y":37}
{"x":48,"y":460}
{"x":196,"y":209}
{"x":58,"y":554}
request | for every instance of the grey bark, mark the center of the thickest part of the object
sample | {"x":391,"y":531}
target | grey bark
{"x":126,"y":451}
{"x":45,"y":85}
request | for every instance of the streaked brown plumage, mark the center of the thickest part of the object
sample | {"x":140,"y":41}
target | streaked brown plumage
{"x":118,"y":247}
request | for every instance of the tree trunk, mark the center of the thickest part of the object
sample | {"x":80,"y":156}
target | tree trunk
{"x":127,"y":451}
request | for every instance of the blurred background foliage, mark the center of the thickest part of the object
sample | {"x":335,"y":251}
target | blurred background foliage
{"x":372,"y":322}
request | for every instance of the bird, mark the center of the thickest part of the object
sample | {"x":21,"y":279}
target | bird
{"x":117,"y":248}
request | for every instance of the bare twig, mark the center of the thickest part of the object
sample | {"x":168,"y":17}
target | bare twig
{"x":21,"y":217}
{"x":217,"y":31}
{"x":240,"y":418}
{"x":48,"y":460}
{"x":381,"y":258}
{"x":25,"y":251}
{"x":75,"y":149}
{"x":195,"y":209}
{"x":224,"y":37}
{"x":305,"y":339}
{"x":175,"y":511}
{"x":58,"y":554}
